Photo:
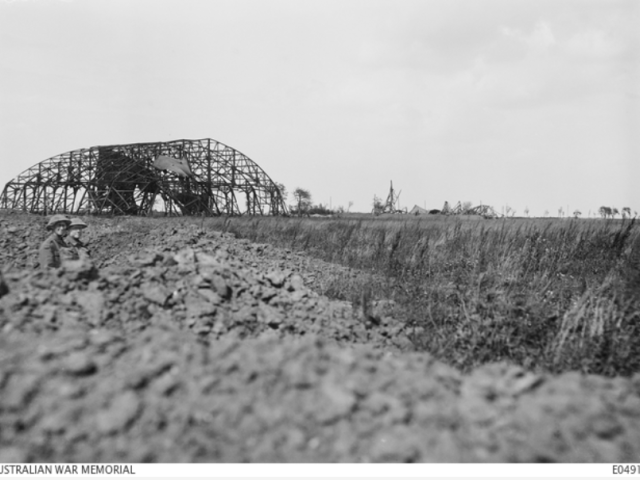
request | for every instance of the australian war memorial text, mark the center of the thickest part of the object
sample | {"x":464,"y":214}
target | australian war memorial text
{"x":16,"y":469}
{"x":66,"y":469}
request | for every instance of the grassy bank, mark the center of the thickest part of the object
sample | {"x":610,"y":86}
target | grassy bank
{"x":551,"y":294}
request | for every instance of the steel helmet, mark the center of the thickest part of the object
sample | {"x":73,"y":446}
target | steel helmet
{"x":58,"y":218}
{"x":77,"y":223}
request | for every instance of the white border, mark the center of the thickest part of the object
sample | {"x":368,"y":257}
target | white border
{"x":347,"y":470}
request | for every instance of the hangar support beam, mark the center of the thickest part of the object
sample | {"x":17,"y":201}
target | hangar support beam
{"x":195,"y":177}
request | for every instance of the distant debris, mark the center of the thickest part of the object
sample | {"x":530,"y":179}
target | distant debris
{"x":416,"y":210}
{"x":392,"y":204}
{"x":485,"y":211}
{"x":461,"y":208}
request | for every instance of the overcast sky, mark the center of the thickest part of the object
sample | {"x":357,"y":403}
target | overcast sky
{"x":506,"y":102}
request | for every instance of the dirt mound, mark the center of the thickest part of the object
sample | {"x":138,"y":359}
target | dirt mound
{"x":179,"y":345}
{"x":208,"y":289}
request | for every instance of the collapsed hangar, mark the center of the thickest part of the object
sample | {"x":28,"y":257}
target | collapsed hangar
{"x":187,"y":177}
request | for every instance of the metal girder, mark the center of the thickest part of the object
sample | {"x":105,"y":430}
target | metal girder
{"x":121,"y":180}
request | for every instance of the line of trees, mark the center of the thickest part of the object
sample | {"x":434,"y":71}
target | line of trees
{"x":304,"y":204}
{"x":612,"y":212}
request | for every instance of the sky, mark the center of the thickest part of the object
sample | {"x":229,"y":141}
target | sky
{"x":527,"y":104}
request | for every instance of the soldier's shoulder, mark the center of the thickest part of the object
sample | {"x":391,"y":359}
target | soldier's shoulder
{"x":47,"y":240}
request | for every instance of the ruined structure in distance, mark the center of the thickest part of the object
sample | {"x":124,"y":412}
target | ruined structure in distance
{"x":188,"y":177}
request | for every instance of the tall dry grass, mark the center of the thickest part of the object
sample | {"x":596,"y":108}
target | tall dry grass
{"x":548,"y":294}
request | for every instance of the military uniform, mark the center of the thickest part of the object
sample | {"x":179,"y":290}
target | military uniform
{"x":53,"y":251}
{"x":79,"y":247}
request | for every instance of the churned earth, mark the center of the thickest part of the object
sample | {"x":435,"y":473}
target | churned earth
{"x":181,"y":344}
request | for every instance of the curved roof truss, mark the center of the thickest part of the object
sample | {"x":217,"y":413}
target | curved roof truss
{"x":189,"y":177}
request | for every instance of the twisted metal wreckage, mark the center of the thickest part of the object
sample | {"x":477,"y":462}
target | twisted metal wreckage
{"x":188,"y":177}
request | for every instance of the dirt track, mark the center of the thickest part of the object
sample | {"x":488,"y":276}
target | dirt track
{"x":206,"y":348}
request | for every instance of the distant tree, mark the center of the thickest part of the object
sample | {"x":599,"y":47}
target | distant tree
{"x":510,"y":212}
{"x":546,"y":213}
{"x":466,"y":206}
{"x":283,"y":191}
{"x":614,"y":212}
{"x":577,"y":213}
{"x":350,"y":205}
{"x":303,"y":200}
{"x":561,"y":212}
{"x":626,"y":212}
{"x":605,"y":212}
{"x":526,"y":211}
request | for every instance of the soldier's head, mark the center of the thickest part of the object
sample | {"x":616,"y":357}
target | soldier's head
{"x":76,"y":227}
{"x":59,"y":224}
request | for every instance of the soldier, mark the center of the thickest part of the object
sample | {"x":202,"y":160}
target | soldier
{"x":75,"y":232}
{"x":54,"y":248}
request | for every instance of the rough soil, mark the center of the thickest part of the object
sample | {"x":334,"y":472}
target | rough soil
{"x":184,"y":345}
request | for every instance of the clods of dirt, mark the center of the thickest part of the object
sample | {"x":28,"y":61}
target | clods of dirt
{"x":193,"y":346}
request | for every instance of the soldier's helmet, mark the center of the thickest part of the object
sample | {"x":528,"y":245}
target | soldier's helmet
{"x":77,"y":223}
{"x":58,"y":218}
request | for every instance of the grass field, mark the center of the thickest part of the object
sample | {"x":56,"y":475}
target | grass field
{"x":549,"y":294}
